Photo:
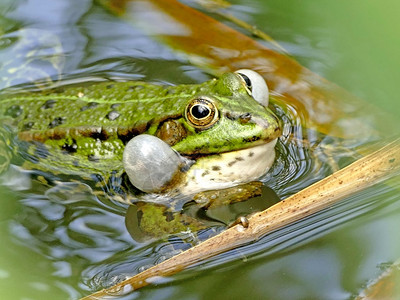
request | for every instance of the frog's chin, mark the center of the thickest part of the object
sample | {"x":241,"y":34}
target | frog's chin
{"x":229,"y":169}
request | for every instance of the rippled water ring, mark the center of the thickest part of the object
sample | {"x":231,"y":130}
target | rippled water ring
{"x":30,"y":56}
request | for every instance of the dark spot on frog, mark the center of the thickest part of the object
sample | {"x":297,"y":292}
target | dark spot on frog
{"x":112,"y":115}
{"x":58,"y":135}
{"x":48,"y":104}
{"x":169,"y":216}
{"x":75,"y":163}
{"x":101,"y":135}
{"x":230,"y":164}
{"x":229,"y":116}
{"x":205,"y":173}
{"x":56,"y":122}
{"x":252,"y":139}
{"x":14,"y":111}
{"x":135,"y":87}
{"x":245,"y":118}
{"x":170,"y":91}
{"x":115,"y":105}
{"x":93,"y":158}
{"x":251,"y":154}
{"x":110,"y":86}
{"x":27,"y":126}
{"x":70,"y":148}
{"x":392,"y":160}
{"x":216,"y":168}
{"x":89,"y":106}
{"x":126,"y":134}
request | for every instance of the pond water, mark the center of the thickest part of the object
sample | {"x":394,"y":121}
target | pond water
{"x":61,"y":245}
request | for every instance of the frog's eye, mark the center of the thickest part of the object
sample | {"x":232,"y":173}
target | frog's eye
{"x":255,"y":85}
{"x":201,"y":113}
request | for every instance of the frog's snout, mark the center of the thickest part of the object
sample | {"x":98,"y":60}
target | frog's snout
{"x":270,"y":126}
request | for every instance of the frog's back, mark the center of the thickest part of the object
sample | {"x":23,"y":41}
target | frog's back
{"x":91,"y":123}
{"x":111,"y":107}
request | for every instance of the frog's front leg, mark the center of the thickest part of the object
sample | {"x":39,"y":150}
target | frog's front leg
{"x":228,"y":205}
{"x":242,"y":192}
{"x":146,"y":221}
{"x":151,"y":164}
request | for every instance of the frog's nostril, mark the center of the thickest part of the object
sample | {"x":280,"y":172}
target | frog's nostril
{"x":244,"y":118}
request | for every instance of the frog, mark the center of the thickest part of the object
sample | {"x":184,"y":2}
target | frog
{"x":155,"y":146}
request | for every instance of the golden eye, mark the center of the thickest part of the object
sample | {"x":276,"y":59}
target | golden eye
{"x":201,"y":113}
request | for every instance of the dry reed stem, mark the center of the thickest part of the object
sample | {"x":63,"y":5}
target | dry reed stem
{"x":363,"y":173}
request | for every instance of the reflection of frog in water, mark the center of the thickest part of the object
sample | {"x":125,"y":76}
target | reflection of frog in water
{"x":145,"y":221}
{"x":173,"y":142}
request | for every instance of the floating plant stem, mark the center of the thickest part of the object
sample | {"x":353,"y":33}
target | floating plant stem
{"x":361,"y":174}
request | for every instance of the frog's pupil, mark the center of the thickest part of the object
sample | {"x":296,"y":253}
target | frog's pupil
{"x":200,"y":111}
{"x":246,"y":80}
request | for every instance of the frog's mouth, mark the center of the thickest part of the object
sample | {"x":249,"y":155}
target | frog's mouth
{"x":228,"y":169}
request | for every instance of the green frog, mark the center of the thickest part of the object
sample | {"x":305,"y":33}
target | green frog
{"x":143,"y":143}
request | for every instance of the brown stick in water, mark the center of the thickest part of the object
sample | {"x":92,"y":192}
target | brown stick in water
{"x":365,"y":172}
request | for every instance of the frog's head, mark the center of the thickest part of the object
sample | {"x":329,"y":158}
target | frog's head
{"x":230,"y":114}
{"x":229,"y":131}
{"x":225,"y":129}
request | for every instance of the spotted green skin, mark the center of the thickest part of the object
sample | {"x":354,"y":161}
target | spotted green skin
{"x":92,"y":123}
{"x":82,"y":130}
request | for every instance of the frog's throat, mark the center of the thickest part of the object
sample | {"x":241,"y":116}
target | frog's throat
{"x":228,"y":169}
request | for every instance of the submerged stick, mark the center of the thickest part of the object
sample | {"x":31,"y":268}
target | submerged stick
{"x":217,"y":7}
{"x":386,"y":286}
{"x":363,"y":173}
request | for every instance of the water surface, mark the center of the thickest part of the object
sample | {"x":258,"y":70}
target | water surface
{"x":63,"y":242}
